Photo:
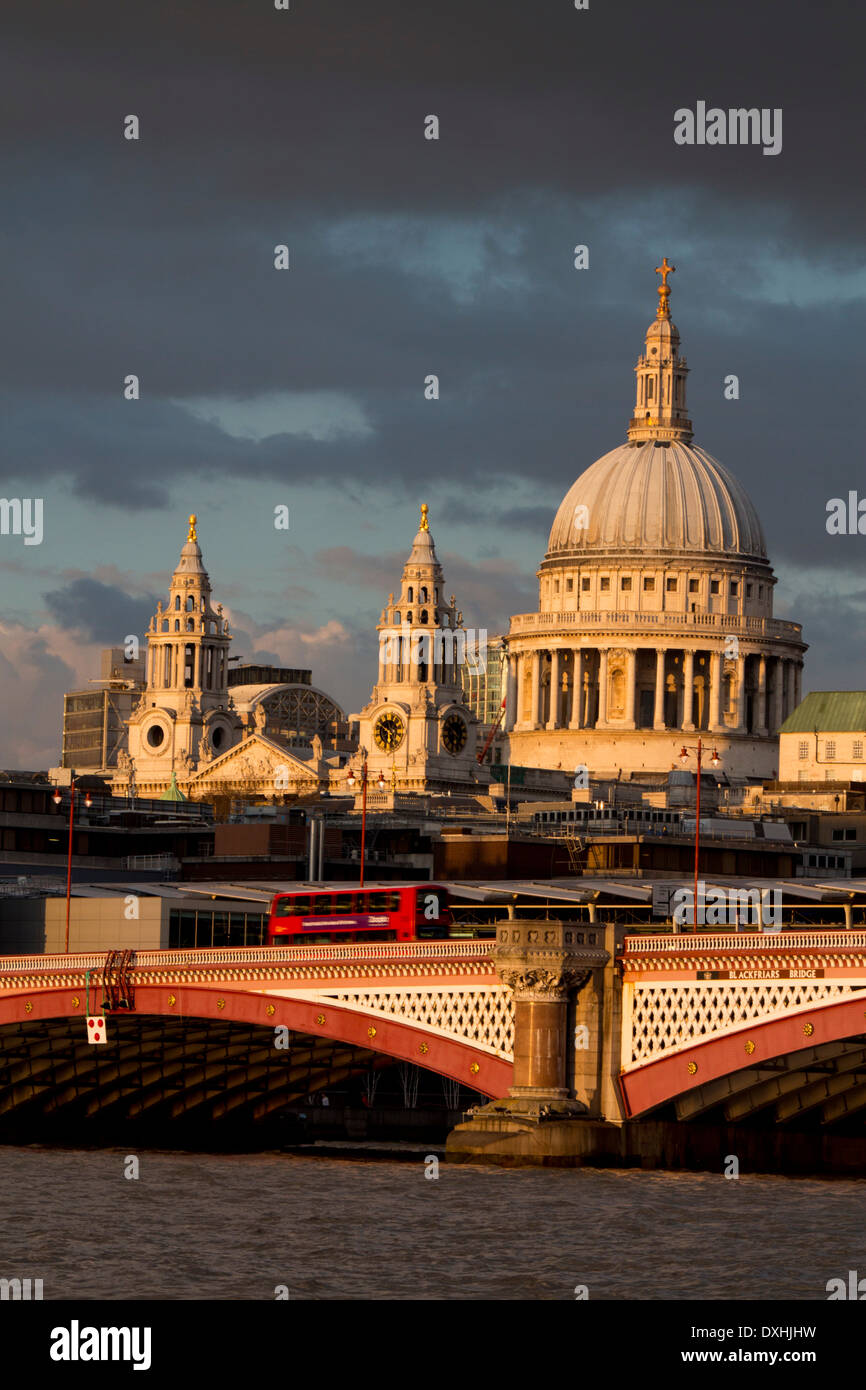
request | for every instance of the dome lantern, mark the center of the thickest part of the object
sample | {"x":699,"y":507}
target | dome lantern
{"x":660,"y":400}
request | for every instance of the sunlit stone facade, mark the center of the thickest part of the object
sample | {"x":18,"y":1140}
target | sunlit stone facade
{"x":655,"y":617}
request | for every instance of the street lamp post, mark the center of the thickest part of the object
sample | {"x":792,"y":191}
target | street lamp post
{"x":380,"y":783}
{"x":57,"y":798}
{"x":697,"y":748}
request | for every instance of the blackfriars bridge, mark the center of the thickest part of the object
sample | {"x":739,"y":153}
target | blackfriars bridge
{"x":568,"y":1030}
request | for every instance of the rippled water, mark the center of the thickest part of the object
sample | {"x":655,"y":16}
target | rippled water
{"x":234,"y":1227}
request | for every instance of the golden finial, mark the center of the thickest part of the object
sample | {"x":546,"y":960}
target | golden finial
{"x":192,"y":535}
{"x":425,"y":525}
{"x":664,"y":270}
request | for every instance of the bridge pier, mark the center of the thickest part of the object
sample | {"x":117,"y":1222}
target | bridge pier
{"x":564,"y":1101}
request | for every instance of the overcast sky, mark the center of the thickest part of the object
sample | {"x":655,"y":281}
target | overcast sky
{"x":408,"y":257}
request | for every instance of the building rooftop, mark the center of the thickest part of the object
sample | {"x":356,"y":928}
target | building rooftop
{"x":833,"y":711}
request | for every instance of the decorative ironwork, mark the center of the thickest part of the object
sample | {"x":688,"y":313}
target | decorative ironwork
{"x":668,"y":1016}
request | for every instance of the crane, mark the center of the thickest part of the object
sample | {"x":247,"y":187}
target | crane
{"x":494,"y":726}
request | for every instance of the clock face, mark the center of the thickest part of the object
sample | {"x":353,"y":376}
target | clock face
{"x":388,"y":732}
{"x":454,"y":734}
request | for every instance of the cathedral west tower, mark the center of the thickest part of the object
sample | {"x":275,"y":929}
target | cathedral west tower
{"x":416,"y":730}
{"x":185,"y":717}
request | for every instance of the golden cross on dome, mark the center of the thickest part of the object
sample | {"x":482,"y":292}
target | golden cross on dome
{"x":664,"y":270}
{"x":425,"y":525}
{"x":192,"y":535}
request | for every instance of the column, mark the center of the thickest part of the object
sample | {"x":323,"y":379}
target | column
{"x":602,"y":687}
{"x":777,"y":695}
{"x":578,"y":671}
{"x":659,"y":707}
{"x":511,"y":694}
{"x":792,"y":686}
{"x":741,"y":694}
{"x":688,"y":691}
{"x":555,"y":678}
{"x":786,"y":688}
{"x":715,"y":724}
{"x":761,"y":717}
{"x":630,"y":682}
{"x":535,"y":706}
{"x":798,"y":679}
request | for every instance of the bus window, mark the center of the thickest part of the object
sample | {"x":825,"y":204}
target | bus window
{"x":378,"y":902}
{"x":298,"y":906}
{"x":345,"y":903}
{"x":322,"y":905}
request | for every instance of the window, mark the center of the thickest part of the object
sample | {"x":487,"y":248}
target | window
{"x":625,"y":582}
{"x":694,"y":586}
{"x":851,"y":833}
{"x":857,"y":749}
{"x":838,"y":834}
{"x":803,"y":748}
{"x":748,"y":591}
{"x":648,"y":583}
{"x":830,"y":748}
{"x":569,"y":585}
{"x":409,"y":594}
{"x":556,"y":586}
{"x":584,"y":583}
{"x":604,"y":584}
{"x":293,"y":907}
{"x":714,"y":586}
{"x":735,"y":588}
{"x":760,"y":591}
{"x":671,"y":584}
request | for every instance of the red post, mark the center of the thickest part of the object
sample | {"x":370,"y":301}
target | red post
{"x":363,"y":819}
{"x":69,"y":858}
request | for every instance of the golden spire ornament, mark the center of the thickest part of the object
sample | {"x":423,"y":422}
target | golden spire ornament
{"x":425,"y":525}
{"x":664,"y":270}
{"x":192,"y":535}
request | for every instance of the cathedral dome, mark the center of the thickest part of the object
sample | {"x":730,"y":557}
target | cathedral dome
{"x":653,"y":495}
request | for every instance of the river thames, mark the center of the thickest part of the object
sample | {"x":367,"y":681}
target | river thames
{"x":200,"y":1226}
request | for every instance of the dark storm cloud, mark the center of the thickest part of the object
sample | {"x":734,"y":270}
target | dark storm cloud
{"x":155,"y":257}
{"x":102,"y":612}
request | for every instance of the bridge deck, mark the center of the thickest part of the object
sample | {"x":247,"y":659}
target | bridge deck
{"x":221,"y":956}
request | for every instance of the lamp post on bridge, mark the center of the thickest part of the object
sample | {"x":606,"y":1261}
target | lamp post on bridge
{"x":380,"y":784}
{"x":88,"y":801}
{"x":715,"y":760}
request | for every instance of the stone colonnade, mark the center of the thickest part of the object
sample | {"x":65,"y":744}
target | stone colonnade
{"x":658,"y":687}
{"x":166,"y":661}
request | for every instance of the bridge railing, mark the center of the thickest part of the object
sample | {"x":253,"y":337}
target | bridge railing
{"x":688,"y":943}
{"x":387,"y":952}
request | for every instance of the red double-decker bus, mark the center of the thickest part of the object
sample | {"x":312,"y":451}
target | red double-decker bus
{"x":397,"y":912}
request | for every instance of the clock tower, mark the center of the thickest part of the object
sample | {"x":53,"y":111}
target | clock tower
{"x":416,"y":729}
{"x":185,"y":717}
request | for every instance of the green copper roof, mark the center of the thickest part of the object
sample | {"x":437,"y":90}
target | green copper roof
{"x":831,"y":711}
{"x":173,"y":791}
